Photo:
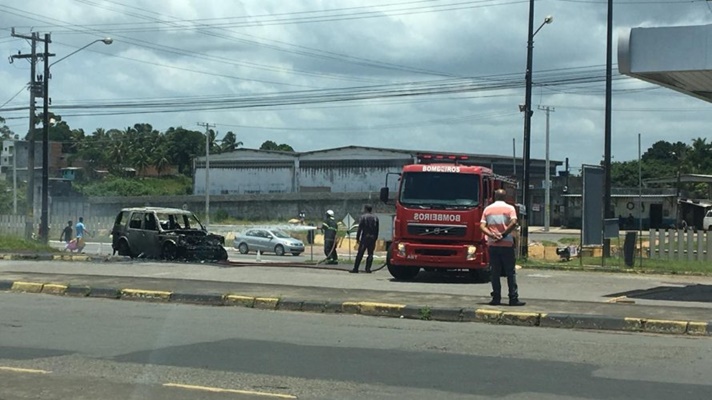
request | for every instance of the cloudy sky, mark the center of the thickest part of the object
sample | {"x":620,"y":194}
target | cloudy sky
{"x":428,"y":75}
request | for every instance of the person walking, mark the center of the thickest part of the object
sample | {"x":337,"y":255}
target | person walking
{"x":329,"y":227}
{"x":366,"y":236}
{"x":66,"y":236}
{"x":81,"y":231}
{"x":499,"y":220}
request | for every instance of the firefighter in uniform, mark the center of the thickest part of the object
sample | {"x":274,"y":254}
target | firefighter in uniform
{"x":329,"y":227}
{"x":366,"y":238}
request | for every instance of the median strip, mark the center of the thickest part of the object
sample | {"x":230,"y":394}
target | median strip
{"x":142,"y":294}
{"x":374,"y":308}
{"x":27,"y":287}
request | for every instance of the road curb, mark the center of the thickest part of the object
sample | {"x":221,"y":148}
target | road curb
{"x":62,"y":257}
{"x":493,"y":316}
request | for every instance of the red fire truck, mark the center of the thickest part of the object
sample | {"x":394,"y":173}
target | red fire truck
{"x":438,"y":209}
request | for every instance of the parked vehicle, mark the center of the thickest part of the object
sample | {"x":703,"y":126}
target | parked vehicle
{"x":167,"y":233}
{"x":707,"y":221}
{"x":269,"y":241}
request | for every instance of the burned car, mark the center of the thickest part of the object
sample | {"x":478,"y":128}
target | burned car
{"x":167,"y":233}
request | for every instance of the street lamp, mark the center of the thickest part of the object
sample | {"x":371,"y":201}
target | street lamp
{"x":44,"y":222}
{"x":528,"y":125}
{"x":106,"y":41}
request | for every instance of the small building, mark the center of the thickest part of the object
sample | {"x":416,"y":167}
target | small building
{"x":653,"y":210}
{"x":72,"y":173}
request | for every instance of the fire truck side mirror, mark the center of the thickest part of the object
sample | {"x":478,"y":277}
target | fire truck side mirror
{"x":384,"y":195}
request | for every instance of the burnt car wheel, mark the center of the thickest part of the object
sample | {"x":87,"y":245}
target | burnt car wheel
{"x":124,"y":249}
{"x":243,"y":248}
{"x":222,"y":255}
{"x":170,"y":251}
{"x":279,"y":250}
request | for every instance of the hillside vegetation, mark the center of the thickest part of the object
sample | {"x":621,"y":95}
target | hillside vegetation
{"x":164,"y":186}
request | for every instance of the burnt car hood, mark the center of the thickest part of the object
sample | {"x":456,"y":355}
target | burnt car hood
{"x":197,"y":244}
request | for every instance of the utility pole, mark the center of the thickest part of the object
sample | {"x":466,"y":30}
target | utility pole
{"x":207,"y":169}
{"x":44,"y":219}
{"x":514,"y":157}
{"x":547,"y":174}
{"x":566,"y":192}
{"x":30,"y":207}
{"x":607,"y":209}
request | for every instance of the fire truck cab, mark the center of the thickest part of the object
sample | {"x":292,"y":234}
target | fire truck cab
{"x":439,"y":205}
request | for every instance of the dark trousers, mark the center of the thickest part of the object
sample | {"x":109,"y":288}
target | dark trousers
{"x":366,"y":245}
{"x":330,"y":250}
{"x":503,"y":262}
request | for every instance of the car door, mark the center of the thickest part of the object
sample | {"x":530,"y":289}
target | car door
{"x":150,"y":236}
{"x":134,"y":232}
{"x":249,"y":238}
{"x":262,"y":240}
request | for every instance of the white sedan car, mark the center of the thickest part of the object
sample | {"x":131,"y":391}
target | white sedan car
{"x":268,"y":241}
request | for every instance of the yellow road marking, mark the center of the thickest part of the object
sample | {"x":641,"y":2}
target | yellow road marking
{"x":621,"y":299}
{"x":220,"y":390}
{"x":25,"y":370}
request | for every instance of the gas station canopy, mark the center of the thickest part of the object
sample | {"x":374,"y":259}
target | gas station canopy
{"x":679,"y":58}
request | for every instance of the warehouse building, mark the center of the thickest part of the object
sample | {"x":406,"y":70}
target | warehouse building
{"x":350,"y":169}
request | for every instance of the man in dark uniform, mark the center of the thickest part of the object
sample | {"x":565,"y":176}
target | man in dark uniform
{"x":329,"y":227}
{"x":366,"y":238}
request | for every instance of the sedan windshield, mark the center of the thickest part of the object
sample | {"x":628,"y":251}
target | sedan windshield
{"x":439,"y":190}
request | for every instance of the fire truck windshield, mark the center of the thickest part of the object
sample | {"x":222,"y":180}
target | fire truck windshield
{"x":439,"y":190}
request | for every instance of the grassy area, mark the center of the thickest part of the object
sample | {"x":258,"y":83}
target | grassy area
{"x":570,"y":240}
{"x":617,"y":264}
{"x":14,"y":243}
{"x":163,"y":186}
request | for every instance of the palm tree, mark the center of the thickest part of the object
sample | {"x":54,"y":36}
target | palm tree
{"x":229,"y":142}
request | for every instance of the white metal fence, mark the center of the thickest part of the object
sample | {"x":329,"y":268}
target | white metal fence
{"x":683,"y":245}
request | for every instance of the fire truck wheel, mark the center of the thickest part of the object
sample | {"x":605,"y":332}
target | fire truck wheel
{"x":402,"y":273}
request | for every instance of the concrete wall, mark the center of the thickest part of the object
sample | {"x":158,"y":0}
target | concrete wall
{"x":278,"y":206}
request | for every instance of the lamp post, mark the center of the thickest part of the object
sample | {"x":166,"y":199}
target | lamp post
{"x":527,"y":109}
{"x":44,"y":219}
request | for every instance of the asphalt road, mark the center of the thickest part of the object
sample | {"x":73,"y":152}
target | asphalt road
{"x":533,"y":284}
{"x":58,"y":348}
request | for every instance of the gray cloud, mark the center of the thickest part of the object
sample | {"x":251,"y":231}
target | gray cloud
{"x":222,"y":56}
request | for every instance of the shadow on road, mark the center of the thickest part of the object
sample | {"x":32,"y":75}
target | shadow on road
{"x":697,"y":293}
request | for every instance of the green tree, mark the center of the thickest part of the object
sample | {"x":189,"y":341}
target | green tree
{"x":5,"y":131}
{"x":229,"y":142}
{"x":270,"y":145}
{"x":183,"y":146}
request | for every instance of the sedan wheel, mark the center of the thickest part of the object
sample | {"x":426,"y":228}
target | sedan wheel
{"x":279,"y":250}
{"x":243,"y":248}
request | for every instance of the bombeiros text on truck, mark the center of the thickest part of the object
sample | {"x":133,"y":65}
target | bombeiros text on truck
{"x":439,"y":205}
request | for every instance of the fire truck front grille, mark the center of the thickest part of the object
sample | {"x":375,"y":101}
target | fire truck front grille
{"x":437,"y":230}
{"x":435,"y":252}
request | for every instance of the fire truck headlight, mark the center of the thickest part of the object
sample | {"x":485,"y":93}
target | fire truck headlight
{"x":401,"y":249}
{"x":471,"y":252}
